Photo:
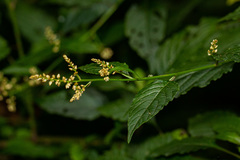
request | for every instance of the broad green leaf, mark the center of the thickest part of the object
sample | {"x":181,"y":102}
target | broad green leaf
{"x":26,"y":148}
{"x":221,"y":124}
{"x":230,"y":54}
{"x":116,"y":153}
{"x":4,"y":49}
{"x":83,"y":15}
{"x":148,"y":102}
{"x":185,"y":50}
{"x":85,"y":108}
{"x":120,"y":67}
{"x":92,"y":68}
{"x":76,"y":152}
{"x":233,"y":15}
{"x":186,"y":145}
{"x":117,"y":110}
{"x":145,"y":27}
{"x":17,"y":70}
{"x":184,"y":157}
{"x":142,"y":151}
{"x":201,"y":78}
{"x":32,"y":21}
{"x":81,"y":44}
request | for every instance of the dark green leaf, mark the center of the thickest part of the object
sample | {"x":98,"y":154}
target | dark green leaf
{"x":32,"y":21}
{"x":117,"y":110}
{"x":120,"y":67}
{"x":17,"y":70}
{"x":148,"y":102}
{"x":145,"y":26}
{"x":92,"y":68}
{"x":116,"y":153}
{"x":81,"y":44}
{"x":201,"y":78}
{"x":85,"y":108}
{"x":184,"y":157}
{"x":230,"y":54}
{"x":221,"y":124}
{"x":232,"y":16}
{"x":4,"y":50}
{"x":186,"y":145}
{"x":26,"y":148}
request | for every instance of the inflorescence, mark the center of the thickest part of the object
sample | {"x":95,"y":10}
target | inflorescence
{"x":213,"y":47}
{"x":52,"y":39}
{"x":69,"y":82}
{"x":104,"y":72}
{"x":6,"y":86}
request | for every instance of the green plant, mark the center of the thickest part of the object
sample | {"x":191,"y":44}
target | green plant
{"x":174,"y":57}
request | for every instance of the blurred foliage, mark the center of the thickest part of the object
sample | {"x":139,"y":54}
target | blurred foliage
{"x":150,"y":37}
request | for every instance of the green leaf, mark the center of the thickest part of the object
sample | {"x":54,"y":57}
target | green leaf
{"x":142,"y":151}
{"x":85,"y":108}
{"x":148,"y":102}
{"x":81,"y":44}
{"x":145,"y":27}
{"x":76,"y":152}
{"x":26,"y":148}
{"x":4,"y":49}
{"x":116,"y":153}
{"x":83,"y":15}
{"x":230,"y":54}
{"x":17,"y":70}
{"x":231,"y":16}
{"x":185,"y":50}
{"x":120,"y":67}
{"x":221,"y":124}
{"x":92,"y":68}
{"x":117,"y":110}
{"x":201,"y":78}
{"x":186,"y":145}
{"x":32,"y":21}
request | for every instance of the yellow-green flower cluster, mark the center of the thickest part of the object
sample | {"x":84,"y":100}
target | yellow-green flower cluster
{"x":52,"y":39}
{"x":6,"y":86}
{"x":104,"y":72}
{"x":213,"y":47}
{"x":69,"y":82}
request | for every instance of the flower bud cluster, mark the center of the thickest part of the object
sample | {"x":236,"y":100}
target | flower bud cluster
{"x":52,"y":39}
{"x":69,"y":82}
{"x":6,"y":86}
{"x":71,"y":65}
{"x":104,"y":72}
{"x":213,"y":47}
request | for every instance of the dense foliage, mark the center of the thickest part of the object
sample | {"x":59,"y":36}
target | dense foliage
{"x":153,"y":96}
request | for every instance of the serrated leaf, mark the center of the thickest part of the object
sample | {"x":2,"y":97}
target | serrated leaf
{"x":230,"y":54}
{"x":202,"y":78}
{"x":186,"y":145}
{"x":120,"y":67}
{"x":85,"y":108}
{"x":4,"y":49}
{"x":92,"y":68}
{"x":185,"y":50}
{"x":148,"y":102}
{"x":145,"y":27}
{"x":221,"y":124}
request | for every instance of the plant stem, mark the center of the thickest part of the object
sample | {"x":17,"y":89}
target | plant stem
{"x":155,"y":77}
{"x":104,"y":18}
{"x":11,"y":8}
